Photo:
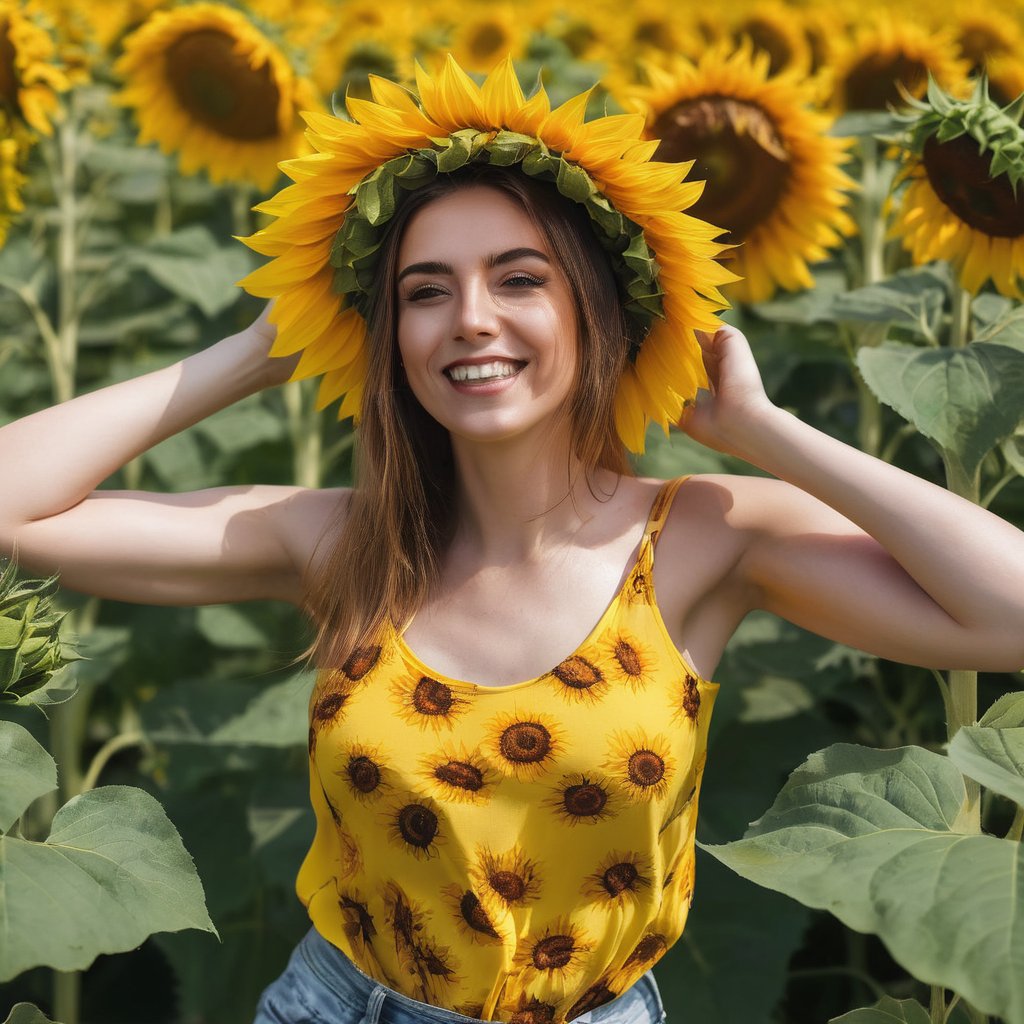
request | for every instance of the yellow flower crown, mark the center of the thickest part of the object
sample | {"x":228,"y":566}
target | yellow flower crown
{"x":329,"y":223}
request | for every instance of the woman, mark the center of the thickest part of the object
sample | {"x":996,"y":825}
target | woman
{"x":508,"y":730}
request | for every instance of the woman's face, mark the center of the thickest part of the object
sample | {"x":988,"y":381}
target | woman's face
{"x":486,"y":319}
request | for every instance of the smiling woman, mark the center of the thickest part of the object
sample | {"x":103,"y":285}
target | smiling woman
{"x":515,"y":637}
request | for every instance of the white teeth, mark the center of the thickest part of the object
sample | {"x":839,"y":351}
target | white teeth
{"x":483,"y":371}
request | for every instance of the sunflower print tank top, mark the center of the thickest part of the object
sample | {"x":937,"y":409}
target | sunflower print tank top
{"x":518,"y":853}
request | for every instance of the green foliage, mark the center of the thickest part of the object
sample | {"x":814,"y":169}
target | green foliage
{"x":30,"y":647}
{"x":113,"y":870}
{"x":887,"y":1011}
{"x":26,"y":1013}
{"x":995,"y":757}
{"x":966,"y":400}
{"x":877,"y":837}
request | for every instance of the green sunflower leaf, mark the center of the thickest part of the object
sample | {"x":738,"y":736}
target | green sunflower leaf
{"x":639,"y":259}
{"x":112,"y":872}
{"x":573,"y":182}
{"x":965,"y":400}
{"x":27,"y":771}
{"x":993,"y":757}
{"x":886,"y":1011}
{"x":26,"y":1013}
{"x":878,"y":838}
{"x":1005,"y":713}
{"x":509,"y":148}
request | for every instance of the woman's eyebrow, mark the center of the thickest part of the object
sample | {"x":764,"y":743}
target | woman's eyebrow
{"x":494,"y":260}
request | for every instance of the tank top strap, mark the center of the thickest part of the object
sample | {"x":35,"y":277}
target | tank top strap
{"x":659,"y":511}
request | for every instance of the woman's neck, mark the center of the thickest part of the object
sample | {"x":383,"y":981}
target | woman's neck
{"x":514,"y":497}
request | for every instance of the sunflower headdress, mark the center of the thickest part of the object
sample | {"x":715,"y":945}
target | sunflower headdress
{"x":330,"y":223}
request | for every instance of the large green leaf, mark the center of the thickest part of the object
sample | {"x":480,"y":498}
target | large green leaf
{"x":26,"y":771}
{"x":1005,"y":713}
{"x":112,"y":872}
{"x":221,"y":712}
{"x":994,"y":757}
{"x":913,"y":298}
{"x":887,"y":1011}
{"x":876,"y":837}
{"x":26,"y":1013}
{"x":966,"y":400}
{"x":191,"y":264}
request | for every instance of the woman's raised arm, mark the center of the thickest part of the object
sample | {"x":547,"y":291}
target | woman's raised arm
{"x":853,"y":548}
{"x":221,"y":544}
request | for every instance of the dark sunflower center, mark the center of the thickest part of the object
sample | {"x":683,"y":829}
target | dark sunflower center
{"x":871,"y":83}
{"x":654,"y":32}
{"x":738,"y":150}
{"x":487,"y":40}
{"x":978,"y":44}
{"x":8,"y":72}
{"x":215,"y":84}
{"x":767,"y":36}
{"x":960,"y":176}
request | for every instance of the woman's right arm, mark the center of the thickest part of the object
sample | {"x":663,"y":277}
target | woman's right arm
{"x":203,"y":547}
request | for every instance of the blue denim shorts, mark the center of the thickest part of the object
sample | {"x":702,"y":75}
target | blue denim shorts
{"x":321,"y":985}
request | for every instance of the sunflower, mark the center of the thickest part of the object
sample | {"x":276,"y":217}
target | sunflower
{"x":208,"y":84}
{"x":983,"y":34}
{"x":15,"y":144}
{"x":777,"y":30}
{"x":29,"y":76}
{"x":773,"y":173}
{"x":887,"y":50}
{"x":485,"y":34}
{"x":960,"y":185}
{"x":315,"y":311}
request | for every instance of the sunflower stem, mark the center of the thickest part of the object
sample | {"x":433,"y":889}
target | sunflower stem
{"x":963,"y":684}
{"x":67,"y":990}
{"x":960,"y":333}
{"x":1016,"y":829}
{"x":304,"y":429}
{"x":872,"y":222}
{"x":937,"y":1006}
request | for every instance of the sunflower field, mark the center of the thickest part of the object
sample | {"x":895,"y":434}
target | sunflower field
{"x":860,"y":854}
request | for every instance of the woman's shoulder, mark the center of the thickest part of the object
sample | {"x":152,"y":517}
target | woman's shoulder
{"x":306,"y":517}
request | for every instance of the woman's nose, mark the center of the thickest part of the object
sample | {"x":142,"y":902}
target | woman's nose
{"x":477,"y":314}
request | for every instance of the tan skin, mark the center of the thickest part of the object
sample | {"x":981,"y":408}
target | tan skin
{"x":842,"y":544}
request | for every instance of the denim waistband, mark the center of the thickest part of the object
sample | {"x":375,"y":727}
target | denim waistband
{"x":354,"y":988}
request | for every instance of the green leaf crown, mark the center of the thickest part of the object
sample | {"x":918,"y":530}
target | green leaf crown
{"x":355,"y":250}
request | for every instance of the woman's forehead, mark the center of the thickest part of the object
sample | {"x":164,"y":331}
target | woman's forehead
{"x":470,"y":222}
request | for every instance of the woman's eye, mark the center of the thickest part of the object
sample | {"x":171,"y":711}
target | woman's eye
{"x":426,"y":291}
{"x":526,"y":279}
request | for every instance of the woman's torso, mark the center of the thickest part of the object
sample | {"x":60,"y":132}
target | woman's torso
{"x":440,"y":863}
{"x":556,"y":601}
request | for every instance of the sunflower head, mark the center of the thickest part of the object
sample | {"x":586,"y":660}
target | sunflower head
{"x":964,"y":161}
{"x":330,"y":224}
{"x":30,"y":73}
{"x":990,"y":134}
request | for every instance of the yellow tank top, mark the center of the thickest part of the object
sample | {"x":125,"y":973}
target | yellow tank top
{"x":512,"y":853}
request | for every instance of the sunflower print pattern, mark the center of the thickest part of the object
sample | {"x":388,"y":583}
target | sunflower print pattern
{"x":514,"y":853}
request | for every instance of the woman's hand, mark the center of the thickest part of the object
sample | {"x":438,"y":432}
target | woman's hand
{"x":278,"y":369}
{"x":723,"y":417}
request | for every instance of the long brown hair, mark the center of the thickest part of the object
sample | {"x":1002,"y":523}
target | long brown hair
{"x":401,"y":516}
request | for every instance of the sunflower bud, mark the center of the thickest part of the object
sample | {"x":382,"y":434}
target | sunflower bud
{"x":30,"y":649}
{"x":964,"y":161}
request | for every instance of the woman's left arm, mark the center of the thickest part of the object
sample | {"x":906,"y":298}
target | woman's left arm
{"x":853,"y":548}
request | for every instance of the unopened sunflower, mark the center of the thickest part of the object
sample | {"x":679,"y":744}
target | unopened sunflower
{"x":330,"y":222}
{"x":30,"y":77}
{"x":207,"y":84}
{"x":887,"y":53}
{"x":773,"y":173}
{"x":960,"y":188}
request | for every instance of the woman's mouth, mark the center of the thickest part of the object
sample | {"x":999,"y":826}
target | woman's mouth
{"x":483,"y":373}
